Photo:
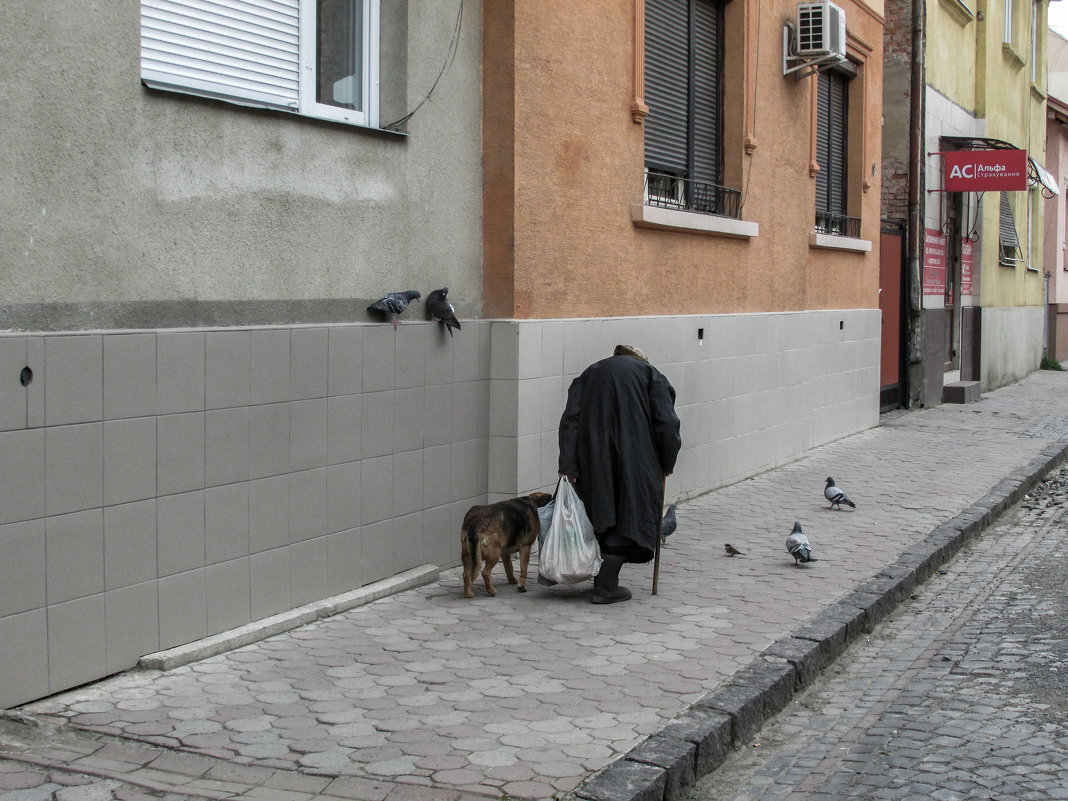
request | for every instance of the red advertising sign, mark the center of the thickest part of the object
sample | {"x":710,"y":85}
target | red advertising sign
{"x":965,"y":266}
{"x":934,"y":263}
{"x":985,"y":170}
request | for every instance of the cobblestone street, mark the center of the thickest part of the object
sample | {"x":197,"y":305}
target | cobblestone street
{"x":963,"y":694}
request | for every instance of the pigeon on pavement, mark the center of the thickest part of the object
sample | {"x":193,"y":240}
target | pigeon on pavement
{"x":836,"y":496}
{"x":439,"y":308}
{"x":394,"y":303}
{"x":669,"y":523}
{"x":732,"y":551}
{"x":798,"y":546}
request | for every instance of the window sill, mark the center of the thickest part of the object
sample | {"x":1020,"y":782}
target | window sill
{"x":832,"y":242}
{"x":960,"y":12}
{"x":1017,"y":60}
{"x":191,"y":90}
{"x":691,"y":222}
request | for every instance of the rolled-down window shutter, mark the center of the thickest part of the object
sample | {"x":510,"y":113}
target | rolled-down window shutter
{"x":832,"y":141}
{"x":244,"y":52}
{"x":667,"y":70}
{"x":1007,"y":225}
{"x":836,"y":201}
{"x":823,"y":139}
{"x":707,"y":125}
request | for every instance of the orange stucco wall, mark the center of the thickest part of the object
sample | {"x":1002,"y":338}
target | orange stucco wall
{"x":564,"y":164}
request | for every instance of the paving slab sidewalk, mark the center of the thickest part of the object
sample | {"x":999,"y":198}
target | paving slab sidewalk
{"x":421,"y":694}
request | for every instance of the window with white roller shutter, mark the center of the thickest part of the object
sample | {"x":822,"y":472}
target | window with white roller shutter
{"x":318,"y":58}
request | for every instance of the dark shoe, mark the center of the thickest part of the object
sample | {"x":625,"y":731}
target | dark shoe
{"x":603,"y":596}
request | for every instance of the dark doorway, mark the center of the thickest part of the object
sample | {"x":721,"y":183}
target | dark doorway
{"x":891,"y":292}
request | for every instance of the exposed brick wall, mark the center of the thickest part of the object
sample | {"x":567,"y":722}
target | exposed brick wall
{"x":897,"y":52}
{"x":897,"y":36}
{"x":895,"y":189}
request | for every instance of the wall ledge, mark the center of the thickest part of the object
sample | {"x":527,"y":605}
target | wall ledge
{"x":832,"y":242}
{"x":707,"y":224}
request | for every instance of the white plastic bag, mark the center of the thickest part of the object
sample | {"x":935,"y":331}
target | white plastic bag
{"x":545,"y":518}
{"x":569,"y":553}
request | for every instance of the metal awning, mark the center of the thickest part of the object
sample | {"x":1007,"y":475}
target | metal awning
{"x":979,"y":143}
{"x":1036,"y":173}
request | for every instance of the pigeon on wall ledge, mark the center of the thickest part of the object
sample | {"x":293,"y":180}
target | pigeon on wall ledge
{"x":394,"y":303}
{"x":439,"y":308}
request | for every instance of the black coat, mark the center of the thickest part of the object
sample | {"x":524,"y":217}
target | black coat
{"x":619,"y":436}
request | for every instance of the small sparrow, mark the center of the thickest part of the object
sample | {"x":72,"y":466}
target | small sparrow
{"x":732,"y":551}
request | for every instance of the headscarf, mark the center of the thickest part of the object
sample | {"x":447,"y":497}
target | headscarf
{"x":630,"y":350}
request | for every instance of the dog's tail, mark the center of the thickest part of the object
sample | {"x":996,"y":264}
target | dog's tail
{"x":469,"y":554}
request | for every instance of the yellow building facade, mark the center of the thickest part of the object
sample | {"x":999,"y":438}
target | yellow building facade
{"x":985,"y":91}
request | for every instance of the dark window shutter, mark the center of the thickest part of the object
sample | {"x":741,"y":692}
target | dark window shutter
{"x":832,"y":141}
{"x":707,"y":133}
{"x":667,"y":69}
{"x":839,"y":142}
{"x":823,"y":139}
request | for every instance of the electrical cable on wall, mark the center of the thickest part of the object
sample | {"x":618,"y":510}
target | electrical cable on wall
{"x":973,"y":232}
{"x":449,"y":58}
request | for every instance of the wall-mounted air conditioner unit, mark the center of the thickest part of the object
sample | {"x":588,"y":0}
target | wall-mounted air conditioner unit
{"x":821,"y":29}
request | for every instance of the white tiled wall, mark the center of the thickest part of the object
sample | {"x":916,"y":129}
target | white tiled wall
{"x":755,"y":392}
{"x":157,"y":487}
{"x":160,"y":487}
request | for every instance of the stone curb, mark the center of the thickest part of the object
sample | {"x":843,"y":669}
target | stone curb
{"x":699,"y":740}
{"x":287,"y":621}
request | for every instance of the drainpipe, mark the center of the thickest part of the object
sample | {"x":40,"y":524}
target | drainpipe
{"x":916,"y":193}
{"x":1045,"y":314}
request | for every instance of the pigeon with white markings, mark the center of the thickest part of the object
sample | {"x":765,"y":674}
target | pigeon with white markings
{"x":798,"y":546}
{"x":669,"y":523}
{"x":836,"y":496}
{"x":394,"y":303}
{"x":439,"y":308}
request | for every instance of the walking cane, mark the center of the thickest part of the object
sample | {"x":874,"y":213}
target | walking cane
{"x":659,"y":537}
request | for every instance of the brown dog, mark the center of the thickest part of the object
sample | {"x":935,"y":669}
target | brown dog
{"x":496,"y":531}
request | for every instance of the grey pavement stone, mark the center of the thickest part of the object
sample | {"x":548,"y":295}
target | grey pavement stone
{"x":626,"y":780}
{"x":745,"y":707}
{"x":773,"y":679}
{"x":829,"y":633}
{"x":678,"y":759}
{"x":709,"y":731}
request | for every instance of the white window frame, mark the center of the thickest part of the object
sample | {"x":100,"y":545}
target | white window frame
{"x":1034,"y":41}
{"x":223,"y":48}
{"x":309,"y":107}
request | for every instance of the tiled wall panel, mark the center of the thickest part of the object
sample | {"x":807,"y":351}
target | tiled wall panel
{"x":160,"y":487}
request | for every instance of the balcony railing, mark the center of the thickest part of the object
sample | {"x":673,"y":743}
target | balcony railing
{"x":674,"y":192}
{"x":837,"y":224}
